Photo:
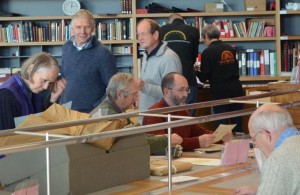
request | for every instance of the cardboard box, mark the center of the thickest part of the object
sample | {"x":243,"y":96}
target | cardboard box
{"x":255,"y":5}
{"x":214,"y":7}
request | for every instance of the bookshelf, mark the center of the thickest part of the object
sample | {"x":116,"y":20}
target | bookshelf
{"x":12,"y":54}
{"x":288,"y":44}
{"x":14,"y":51}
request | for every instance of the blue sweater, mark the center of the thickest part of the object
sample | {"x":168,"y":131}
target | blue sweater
{"x":87,"y":73}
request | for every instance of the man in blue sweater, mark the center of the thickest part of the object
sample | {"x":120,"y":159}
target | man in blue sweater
{"x":87,"y":65}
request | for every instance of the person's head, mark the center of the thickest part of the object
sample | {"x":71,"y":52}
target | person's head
{"x":82,"y":26}
{"x":175,"y":89}
{"x":123,"y":89}
{"x":40,"y":71}
{"x":210,"y":32}
{"x":266,"y":124}
{"x":174,"y":16}
{"x":148,"y":34}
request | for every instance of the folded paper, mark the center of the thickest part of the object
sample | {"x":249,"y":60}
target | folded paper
{"x":57,"y":113}
{"x":221,"y":131}
{"x":235,"y":152}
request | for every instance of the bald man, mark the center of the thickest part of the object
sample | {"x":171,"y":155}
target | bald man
{"x":272,"y":131}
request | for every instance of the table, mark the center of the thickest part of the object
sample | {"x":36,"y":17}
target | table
{"x":212,"y":180}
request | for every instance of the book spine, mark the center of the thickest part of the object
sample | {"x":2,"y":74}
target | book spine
{"x":267,"y":61}
{"x":262,"y":63}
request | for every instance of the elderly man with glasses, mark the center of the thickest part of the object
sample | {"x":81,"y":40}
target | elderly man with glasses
{"x":175,"y":91}
{"x":272,"y":131}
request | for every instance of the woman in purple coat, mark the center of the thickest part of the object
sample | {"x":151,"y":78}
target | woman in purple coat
{"x":30,"y":91}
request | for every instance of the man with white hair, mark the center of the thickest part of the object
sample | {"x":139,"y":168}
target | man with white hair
{"x":271,"y":129}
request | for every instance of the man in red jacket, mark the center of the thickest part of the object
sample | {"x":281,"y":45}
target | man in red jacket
{"x":175,"y":90}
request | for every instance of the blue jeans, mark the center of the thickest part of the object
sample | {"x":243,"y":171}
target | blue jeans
{"x":192,"y":98}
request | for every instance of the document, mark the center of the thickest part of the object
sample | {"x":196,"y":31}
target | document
{"x":221,"y":131}
{"x":235,"y":152}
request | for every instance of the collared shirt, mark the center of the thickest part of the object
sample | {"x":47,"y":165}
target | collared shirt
{"x":114,"y":105}
{"x":154,"y":51}
{"x":84,"y":46}
{"x":117,"y":108}
{"x":291,"y":131}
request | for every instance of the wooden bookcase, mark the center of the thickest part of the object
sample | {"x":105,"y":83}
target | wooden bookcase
{"x":12,"y":54}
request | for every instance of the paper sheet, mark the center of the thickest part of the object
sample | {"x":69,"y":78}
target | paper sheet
{"x":201,"y":161}
{"x":222,"y":130}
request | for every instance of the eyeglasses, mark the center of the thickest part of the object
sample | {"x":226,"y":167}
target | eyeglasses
{"x":253,"y":139}
{"x":181,"y":90}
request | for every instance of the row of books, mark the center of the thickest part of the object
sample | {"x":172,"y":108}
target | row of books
{"x":118,"y":29}
{"x":31,"y":32}
{"x":122,"y":50}
{"x":257,"y":62}
{"x":230,"y":29}
{"x":126,"y":6}
{"x":290,"y":55}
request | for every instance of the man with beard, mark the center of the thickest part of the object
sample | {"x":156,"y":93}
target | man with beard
{"x":175,"y":91}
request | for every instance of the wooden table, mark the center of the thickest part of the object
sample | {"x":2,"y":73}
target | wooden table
{"x":212,"y":180}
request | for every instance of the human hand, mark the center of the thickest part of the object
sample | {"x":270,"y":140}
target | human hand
{"x":197,"y":66}
{"x":206,"y":140}
{"x":227,"y":138}
{"x":245,"y":190}
{"x":141,"y":84}
{"x":58,"y":87}
{"x":176,"y":139}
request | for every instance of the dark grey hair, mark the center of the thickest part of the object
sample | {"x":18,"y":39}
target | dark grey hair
{"x":210,"y":31}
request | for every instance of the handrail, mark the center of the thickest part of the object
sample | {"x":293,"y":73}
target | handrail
{"x":134,"y":114}
{"x":129,"y":131}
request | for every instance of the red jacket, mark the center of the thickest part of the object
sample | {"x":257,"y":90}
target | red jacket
{"x":189,"y":133}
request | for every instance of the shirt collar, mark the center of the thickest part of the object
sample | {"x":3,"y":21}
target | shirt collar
{"x":154,"y":51}
{"x":113,"y":103}
{"x":291,"y":131}
{"x":89,"y":42}
{"x":117,"y":108}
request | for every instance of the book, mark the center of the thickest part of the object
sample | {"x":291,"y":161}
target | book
{"x":262,"y":63}
{"x":273,"y":64}
{"x":235,"y":152}
{"x":103,"y":31}
{"x":267,"y":61}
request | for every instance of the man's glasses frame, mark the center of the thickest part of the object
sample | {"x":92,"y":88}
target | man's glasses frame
{"x":181,"y":90}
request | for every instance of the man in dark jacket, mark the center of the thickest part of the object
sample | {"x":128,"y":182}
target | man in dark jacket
{"x":184,"y":40}
{"x":220,"y":67}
